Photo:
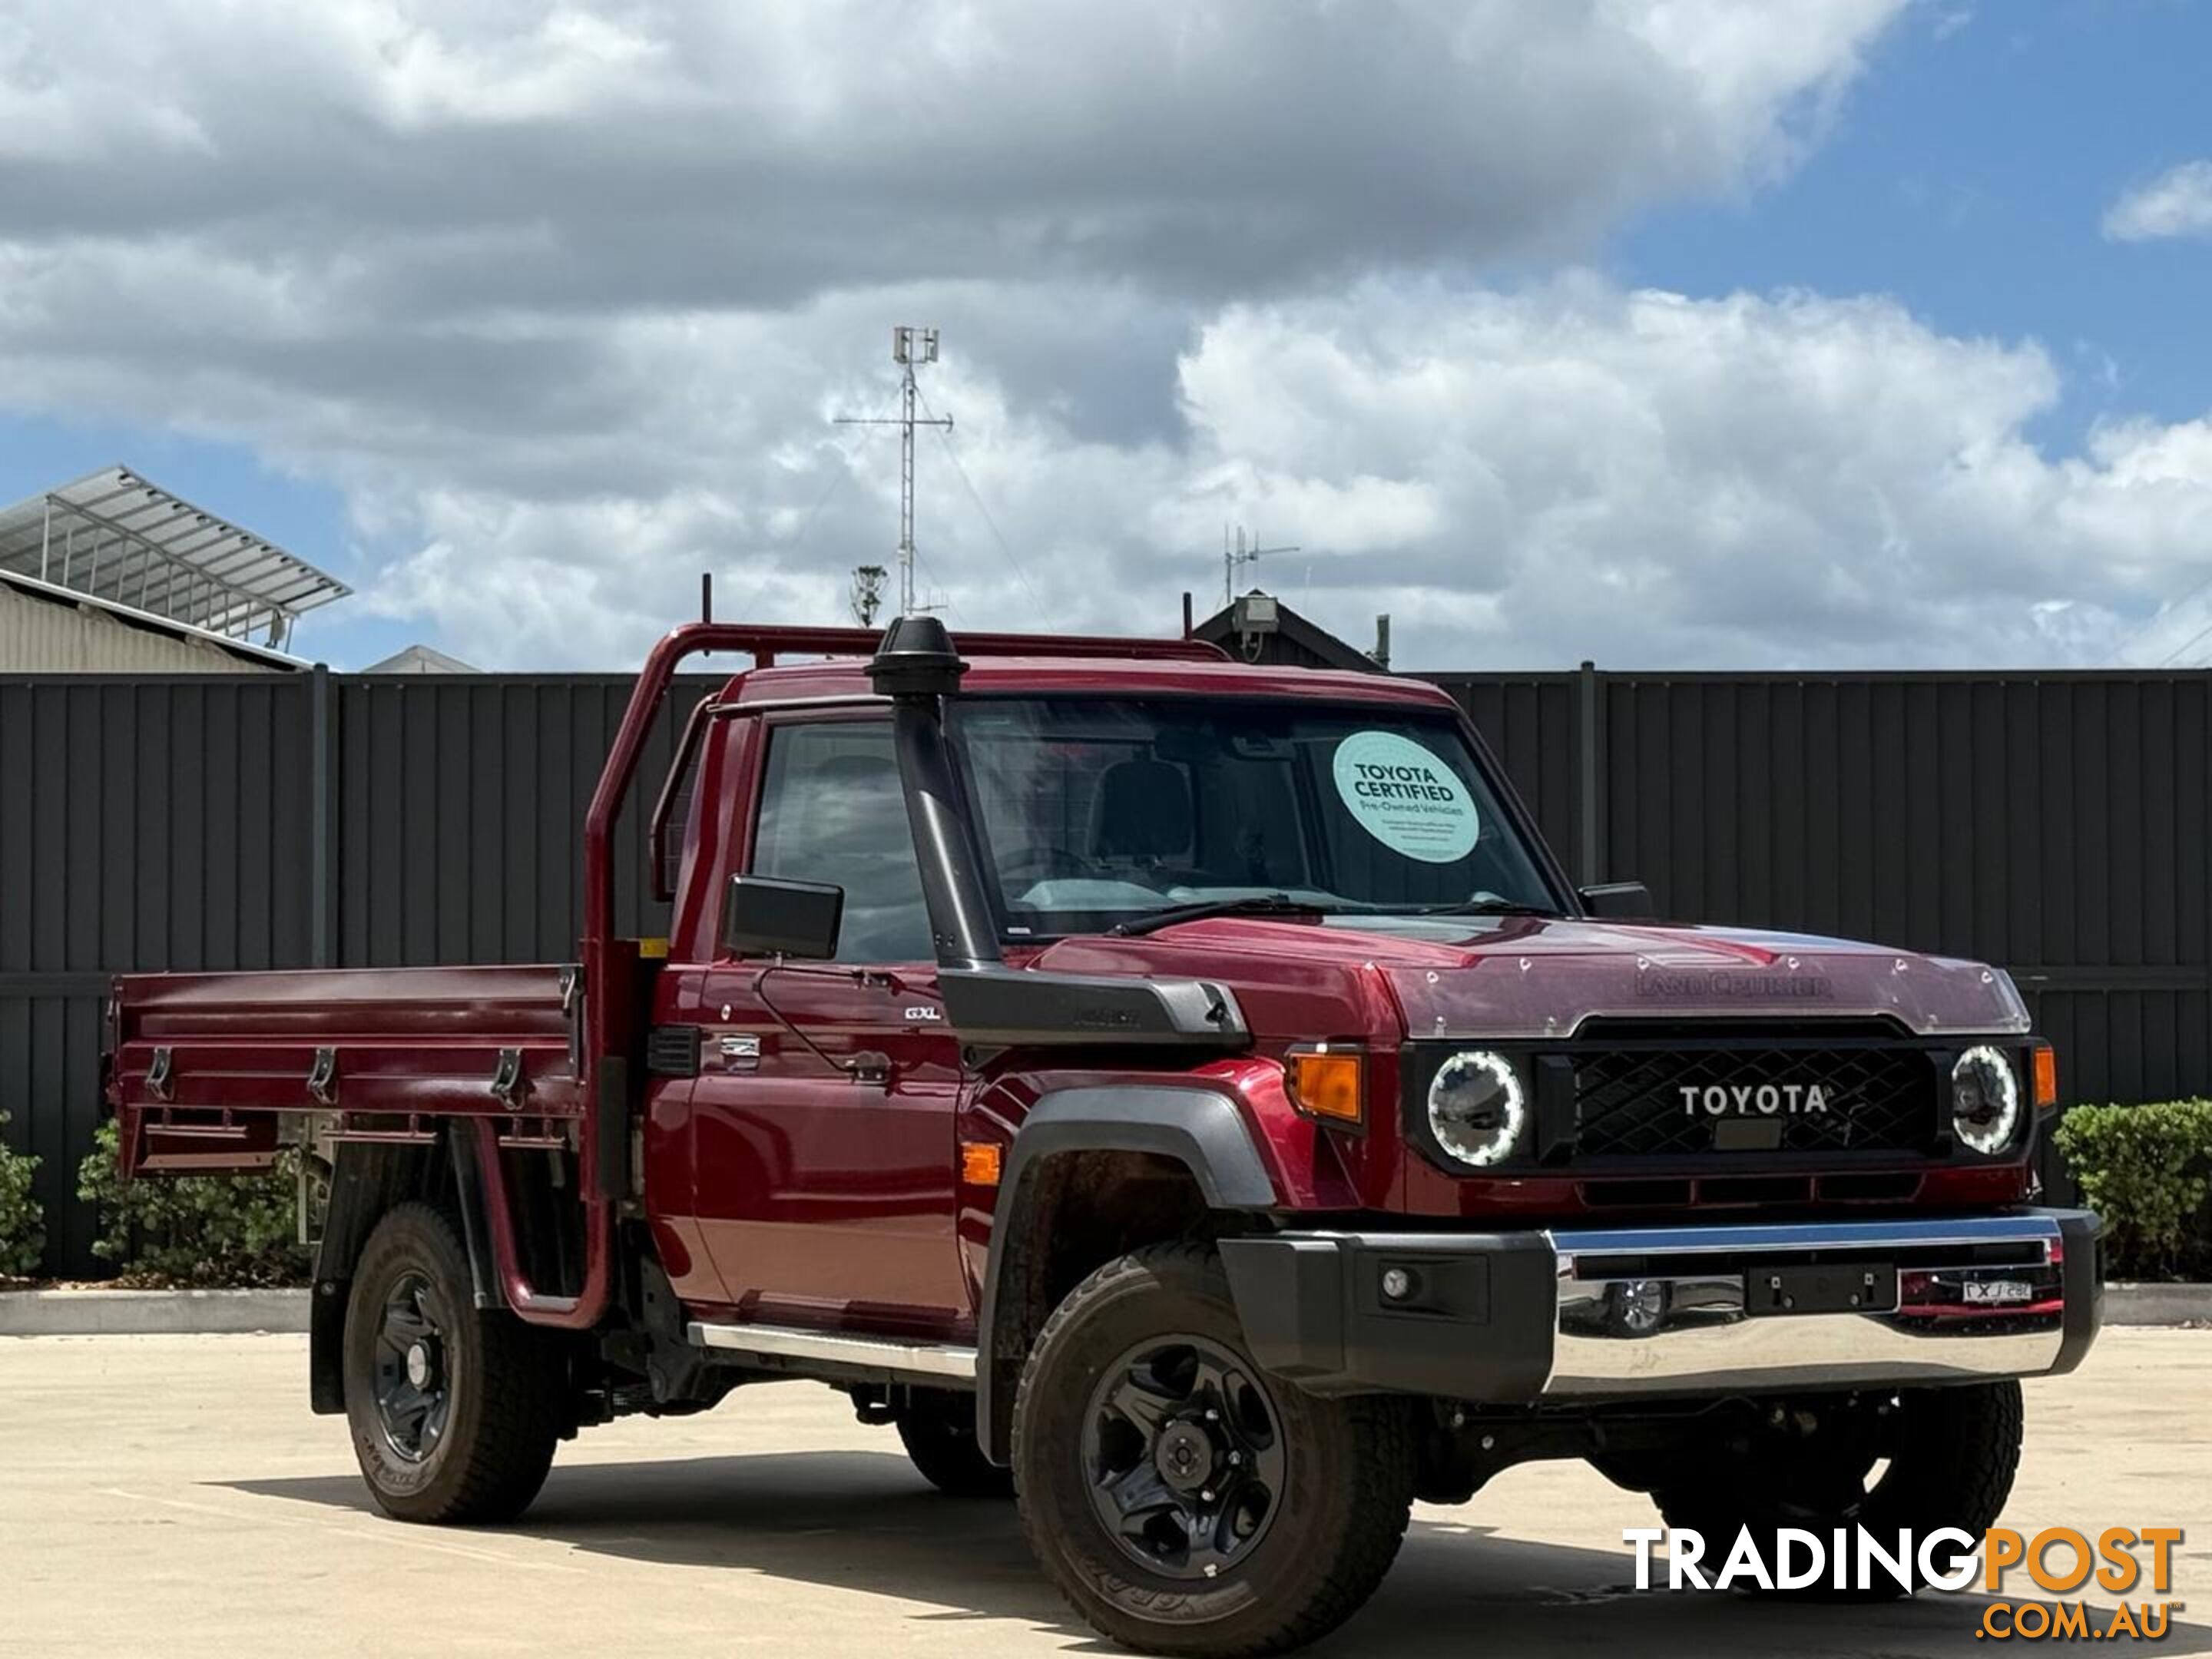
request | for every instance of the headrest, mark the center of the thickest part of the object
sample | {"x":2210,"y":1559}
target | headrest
{"x":1142,"y":811}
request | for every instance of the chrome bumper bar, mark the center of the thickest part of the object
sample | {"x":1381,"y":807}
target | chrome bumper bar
{"x":1686,"y":1311}
{"x":1692,"y":1310}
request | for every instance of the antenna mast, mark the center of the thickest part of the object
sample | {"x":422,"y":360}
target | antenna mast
{"x":1240,"y":554}
{"x":910,"y":346}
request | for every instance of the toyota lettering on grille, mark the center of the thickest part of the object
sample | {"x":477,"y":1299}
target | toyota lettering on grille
{"x":1754,"y":1099}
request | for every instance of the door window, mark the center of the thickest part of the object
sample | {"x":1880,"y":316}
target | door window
{"x":831,"y":810}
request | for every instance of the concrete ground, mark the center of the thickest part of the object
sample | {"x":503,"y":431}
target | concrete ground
{"x":173,"y":1496}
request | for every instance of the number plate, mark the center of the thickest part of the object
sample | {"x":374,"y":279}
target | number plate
{"x":1859,"y":1287}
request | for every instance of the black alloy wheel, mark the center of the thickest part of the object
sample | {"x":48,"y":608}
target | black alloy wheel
{"x":1184,"y":1501}
{"x":1184,"y":1453}
{"x":413,"y":1403}
{"x":454,"y":1409}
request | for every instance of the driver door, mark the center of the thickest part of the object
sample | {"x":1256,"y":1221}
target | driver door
{"x":823,"y":1116}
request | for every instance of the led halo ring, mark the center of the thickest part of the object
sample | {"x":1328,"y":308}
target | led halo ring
{"x":1465,"y":1072}
{"x":1991,"y":1076}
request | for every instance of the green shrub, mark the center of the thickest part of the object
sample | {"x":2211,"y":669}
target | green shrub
{"x":22,"y":1229}
{"x":2148,"y":1170}
{"x":209,"y":1230}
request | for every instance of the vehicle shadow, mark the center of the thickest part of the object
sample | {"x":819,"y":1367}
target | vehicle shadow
{"x":864,"y":1521}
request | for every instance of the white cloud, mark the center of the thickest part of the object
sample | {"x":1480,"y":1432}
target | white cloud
{"x":1650,"y":479}
{"x":2178,"y":203}
{"x":563,"y":298}
{"x":414,"y":158}
{"x":1522,"y":479}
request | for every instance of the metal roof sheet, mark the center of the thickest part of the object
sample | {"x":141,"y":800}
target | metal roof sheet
{"x":114,"y":537}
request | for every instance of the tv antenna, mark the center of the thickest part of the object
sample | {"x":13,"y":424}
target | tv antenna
{"x":910,"y":347}
{"x":1239,"y":554}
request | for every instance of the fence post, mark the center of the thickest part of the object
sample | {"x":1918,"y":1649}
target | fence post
{"x":1589,"y":799}
{"x":323,"y":821}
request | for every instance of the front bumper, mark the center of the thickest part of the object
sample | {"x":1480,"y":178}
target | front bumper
{"x":1684,"y":1312}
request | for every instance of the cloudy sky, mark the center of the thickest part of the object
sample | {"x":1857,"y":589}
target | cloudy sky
{"x":1710,"y":333}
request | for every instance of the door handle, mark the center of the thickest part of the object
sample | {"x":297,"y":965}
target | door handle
{"x":869,"y":1065}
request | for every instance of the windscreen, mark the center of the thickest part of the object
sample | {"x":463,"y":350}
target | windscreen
{"x":1095,"y":812}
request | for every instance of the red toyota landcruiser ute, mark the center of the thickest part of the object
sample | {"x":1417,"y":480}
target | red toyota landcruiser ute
{"x":1187,"y":1095}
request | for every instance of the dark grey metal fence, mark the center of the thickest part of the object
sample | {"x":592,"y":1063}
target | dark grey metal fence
{"x":2052,"y":822}
{"x":205,"y":822}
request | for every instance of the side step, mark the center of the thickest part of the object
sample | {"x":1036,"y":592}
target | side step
{"x":937,"y":1360}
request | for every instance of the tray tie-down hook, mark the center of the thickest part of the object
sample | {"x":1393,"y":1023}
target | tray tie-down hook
{"x":508,"y":1083}
{"x":159,"y":1075}
{"x":323,"y":1077}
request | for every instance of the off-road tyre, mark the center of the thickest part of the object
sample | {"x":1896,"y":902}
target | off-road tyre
{"x":939,"y":1432}
{"x":1953,"y":1453}
{"x":1347,"y":1474}
{"x":501,"y":1381}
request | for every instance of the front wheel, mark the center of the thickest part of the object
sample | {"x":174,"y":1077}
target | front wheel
{"x":454,"y":1409}
{"x":1917,"y":1458}
{"x":1182,"y":1500}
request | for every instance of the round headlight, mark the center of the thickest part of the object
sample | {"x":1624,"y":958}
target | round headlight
{"x":1476,"y":1107}
{"x":1984,"y":1099}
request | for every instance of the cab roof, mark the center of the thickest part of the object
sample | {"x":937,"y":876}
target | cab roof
{"x":846,"y":677}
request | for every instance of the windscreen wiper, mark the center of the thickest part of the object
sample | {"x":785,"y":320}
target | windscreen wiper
{"x":1252,"y":904}
{"x":1485,"y":908}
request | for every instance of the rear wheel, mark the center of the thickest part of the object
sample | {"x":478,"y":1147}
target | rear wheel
{"x":1918,"y":1458}
{"x":454,"y":1410}
{"x":939,"y":1432}
{"x":1184,"y":1501}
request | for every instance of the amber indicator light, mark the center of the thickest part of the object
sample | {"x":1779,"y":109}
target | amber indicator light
{"x":2046,"y":1066}
{"x":1325,"y":1084}
{"x":978,"y":1163}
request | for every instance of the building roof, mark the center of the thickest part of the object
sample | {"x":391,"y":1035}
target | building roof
{"x":112,"y":536}
{"x":1261,"y":627}
{"x":422,"y":659}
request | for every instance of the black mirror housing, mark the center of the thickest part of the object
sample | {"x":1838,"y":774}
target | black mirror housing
{"x":764,"y":916}
{"x":1619,"y":900}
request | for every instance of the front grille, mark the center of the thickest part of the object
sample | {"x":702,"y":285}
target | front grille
{"x":1629,"y":1100}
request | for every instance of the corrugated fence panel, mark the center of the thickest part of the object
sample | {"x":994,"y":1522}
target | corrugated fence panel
{"x":2049,"y":823}
{"x":142,"y":821}
{"x":147,"y":823}
{"x":1531,"y":722}
{"x":460,"y":809}
{"x":2053,"y":823}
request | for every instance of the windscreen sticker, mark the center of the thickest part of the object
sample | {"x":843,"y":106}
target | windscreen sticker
{"x":1406,"y":797}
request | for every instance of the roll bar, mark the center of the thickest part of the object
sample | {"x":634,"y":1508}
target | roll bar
{"x":607,"y":1014}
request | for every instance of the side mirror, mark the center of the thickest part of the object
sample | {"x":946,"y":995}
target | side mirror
{"x":1619,"y":900}
{"x":762,"y":916}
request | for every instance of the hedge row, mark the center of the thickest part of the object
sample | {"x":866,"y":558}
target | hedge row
{"x":197,"y":1229}
{"x":185,"y":1231}
{"x":22,"y":1229}
{"x":2148,"y":1169}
